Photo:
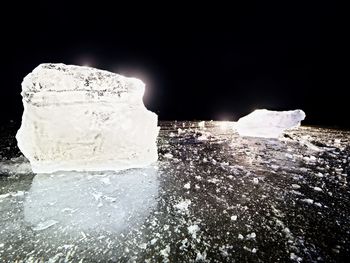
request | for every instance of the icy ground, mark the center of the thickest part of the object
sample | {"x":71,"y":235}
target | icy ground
{"x":212,"y":197}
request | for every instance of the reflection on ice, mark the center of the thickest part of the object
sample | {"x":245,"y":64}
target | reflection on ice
{"x":72,"y":202}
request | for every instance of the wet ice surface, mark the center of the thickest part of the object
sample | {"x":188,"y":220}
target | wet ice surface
{"x":213,"y":196}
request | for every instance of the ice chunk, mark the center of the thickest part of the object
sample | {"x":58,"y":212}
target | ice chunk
{"x":296,"y":186}
{"x":308,"y":201}
{"x":183,"y":205}
{"x":187,"y":186}
{"x":192,"y":230}
{"x":81,"y":118}
{"x":268,"y":124}
{"x":251,"y":236}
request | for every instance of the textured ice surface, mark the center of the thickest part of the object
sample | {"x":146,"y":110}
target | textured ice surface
{"x":71,"y":202}
{"x":81,"y":118}
{"x":268,"y":124}
{"x":249,"y":200}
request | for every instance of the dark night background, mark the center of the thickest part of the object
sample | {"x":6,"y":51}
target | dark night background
{"x":216,"y":63}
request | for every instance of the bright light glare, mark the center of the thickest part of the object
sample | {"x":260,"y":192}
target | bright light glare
{"x":224,"y":125}
{"x":86,"y":61}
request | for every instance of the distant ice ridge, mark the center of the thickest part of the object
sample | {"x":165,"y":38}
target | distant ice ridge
{"x":85,"y":119}
{"x":268,"y":124}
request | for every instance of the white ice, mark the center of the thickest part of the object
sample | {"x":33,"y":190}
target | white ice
{"x":268,"y":124}
{"x":85,"y":119}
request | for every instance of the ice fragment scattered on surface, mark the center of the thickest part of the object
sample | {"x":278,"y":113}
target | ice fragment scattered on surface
{"x":192,"y":230}
{"x":187,"y":186}
{"x":183,"y":205}
{"x":234,"y":218}
{"x":45,"y":225}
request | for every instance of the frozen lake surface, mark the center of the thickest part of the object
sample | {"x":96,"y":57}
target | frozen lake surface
{"x":212,"y":197}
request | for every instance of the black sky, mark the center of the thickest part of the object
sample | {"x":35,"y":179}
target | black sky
{"x":220,"y":63}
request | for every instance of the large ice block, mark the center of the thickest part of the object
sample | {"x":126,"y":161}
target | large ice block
{"x":85,"y":119}
{"x":268,"y":124}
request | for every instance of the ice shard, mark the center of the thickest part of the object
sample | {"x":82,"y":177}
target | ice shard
{"x":268,"y":124}
{"x":85,"y":119}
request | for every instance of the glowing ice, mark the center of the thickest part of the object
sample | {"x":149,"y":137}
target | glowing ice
{"x":268,"y":124}
{"x":81,"y":118}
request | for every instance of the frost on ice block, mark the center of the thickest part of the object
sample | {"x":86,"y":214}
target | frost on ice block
{"x":85,"y":119}
{"x":268,"y":124}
